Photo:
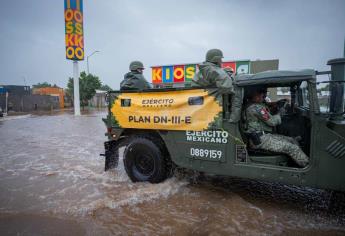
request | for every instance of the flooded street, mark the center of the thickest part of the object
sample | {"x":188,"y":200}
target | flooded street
{"x":52,"y":182}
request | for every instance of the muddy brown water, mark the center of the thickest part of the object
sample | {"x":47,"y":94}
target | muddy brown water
{"x":52,"y":183}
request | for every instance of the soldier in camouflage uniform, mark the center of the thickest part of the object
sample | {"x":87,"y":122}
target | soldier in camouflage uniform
{"x":211,"y":74}
{"x":260,"y":123}
{"x":134,"y":80}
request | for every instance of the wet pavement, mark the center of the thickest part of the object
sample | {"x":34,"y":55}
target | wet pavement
{"x":52,"y":183}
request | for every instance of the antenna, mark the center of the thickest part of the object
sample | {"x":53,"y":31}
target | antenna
{"x":344,"y":48}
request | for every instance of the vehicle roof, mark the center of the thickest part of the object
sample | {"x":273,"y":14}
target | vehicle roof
{"x":275,"y":77}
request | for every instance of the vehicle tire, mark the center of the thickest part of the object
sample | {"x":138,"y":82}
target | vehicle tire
{"x":145,"y":159}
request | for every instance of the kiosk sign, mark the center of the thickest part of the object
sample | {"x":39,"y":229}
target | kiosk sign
{"x":74,"y":32}
{"x":186,"y":72}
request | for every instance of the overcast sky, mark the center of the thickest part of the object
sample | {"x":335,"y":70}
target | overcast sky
{"x":301,"y":34}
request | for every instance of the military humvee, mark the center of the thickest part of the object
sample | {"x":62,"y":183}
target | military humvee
{"x":191,"y":128}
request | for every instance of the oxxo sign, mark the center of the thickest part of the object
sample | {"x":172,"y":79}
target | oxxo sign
{"x":185,"y":73}
{"x":74,"y":32}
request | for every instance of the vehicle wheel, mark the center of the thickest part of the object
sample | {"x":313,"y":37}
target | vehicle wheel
{"x":145,"y":160}
{"x":112,"y":153}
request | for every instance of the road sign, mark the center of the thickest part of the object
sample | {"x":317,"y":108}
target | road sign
{"x":74,"y":30}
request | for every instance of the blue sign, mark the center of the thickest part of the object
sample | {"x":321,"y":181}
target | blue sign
{"x":168,"y":74}
{"x":3,"y":90}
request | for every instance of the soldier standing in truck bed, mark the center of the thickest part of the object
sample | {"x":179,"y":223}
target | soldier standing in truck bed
{"x":259,"y":128}
{"x":212,"y":75}
{"x":134,"y":80}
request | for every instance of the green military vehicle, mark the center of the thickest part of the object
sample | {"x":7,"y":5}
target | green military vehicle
{"x":191,"y":128}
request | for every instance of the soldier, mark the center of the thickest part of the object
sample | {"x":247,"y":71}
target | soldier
{"x":134,"y":80}
{"x":260,"y":123}
{"x":211,"y":73}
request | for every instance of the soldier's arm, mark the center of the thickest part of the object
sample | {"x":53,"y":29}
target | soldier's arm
{"x":122,"y":83}
{"x":146,"y":84}
{"x":126,"y":84}
{"x":264,"y":115}
{"x":223,"y":81}
{"x":197,"y":79}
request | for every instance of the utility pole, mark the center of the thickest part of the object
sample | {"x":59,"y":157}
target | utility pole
{"x":76,"y":88}
{"x":87,"y":61}
{"x":6,"y":103}
{"x":24,"y":78}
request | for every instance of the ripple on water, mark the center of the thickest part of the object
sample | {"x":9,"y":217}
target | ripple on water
{"x":50,"y":165}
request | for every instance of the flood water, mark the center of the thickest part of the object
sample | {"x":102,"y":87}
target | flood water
{"x":52,"y":183}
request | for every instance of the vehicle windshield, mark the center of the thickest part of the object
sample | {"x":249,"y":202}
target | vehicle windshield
{"x":325,"y":87}
{"x":323,"y":95}
{"x":297,"y":94}
{"x":303,"y":101}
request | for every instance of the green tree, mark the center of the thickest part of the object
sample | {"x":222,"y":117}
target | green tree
{"x":42,"y":85}
{"x":105,"y":87}
{"x":69,"y":90}
{"x":88,"y":84}
{"x":325,"y":88}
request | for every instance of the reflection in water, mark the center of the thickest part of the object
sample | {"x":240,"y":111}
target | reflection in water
{"x":51,"y":176}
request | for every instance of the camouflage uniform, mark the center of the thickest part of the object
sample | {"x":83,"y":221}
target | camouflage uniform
{"x":259,"y":120}
{"x":212,"y":75}
{"x":236,"y":104}
{"x":134,"y":80}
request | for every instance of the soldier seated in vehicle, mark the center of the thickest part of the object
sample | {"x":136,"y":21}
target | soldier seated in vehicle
{"x":134,"y":80}
{"x":275,"y":107}
{"x":259,"y":129}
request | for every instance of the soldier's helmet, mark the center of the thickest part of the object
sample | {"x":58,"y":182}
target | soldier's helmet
{"x":214,"y":55}
{"x":135,"y":65}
